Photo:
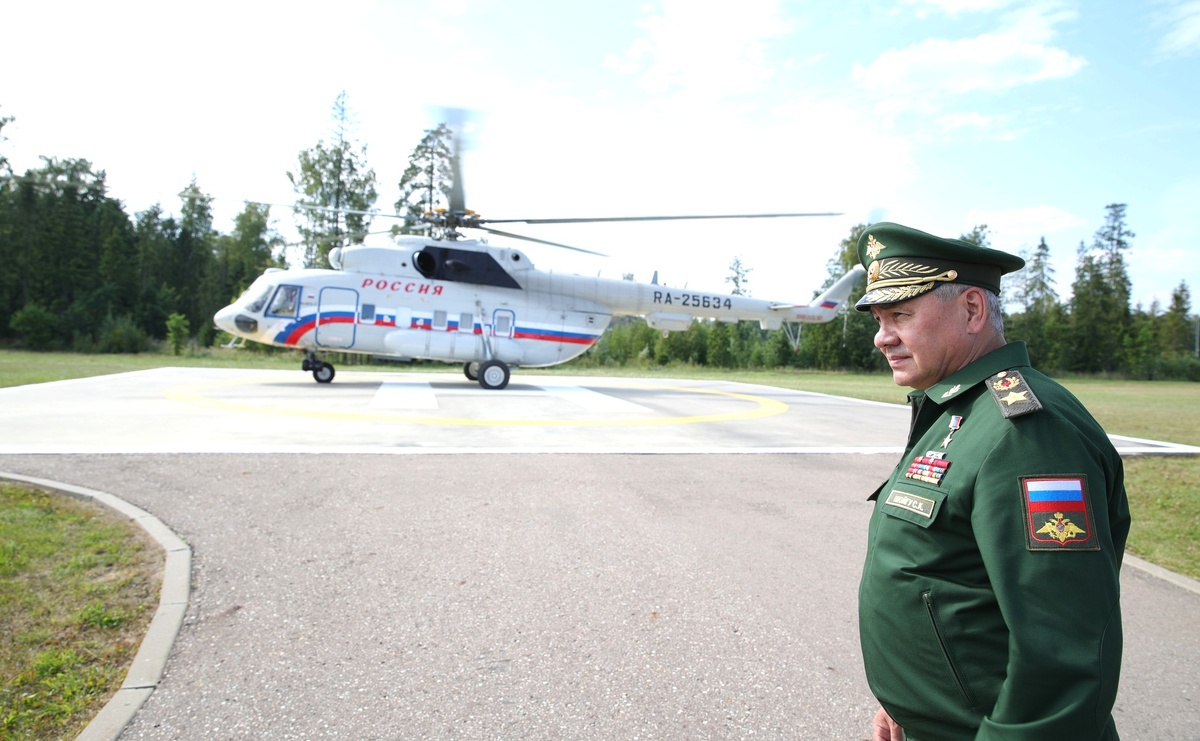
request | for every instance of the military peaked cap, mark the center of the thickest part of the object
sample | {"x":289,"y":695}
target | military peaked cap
{"x":903,"y":263}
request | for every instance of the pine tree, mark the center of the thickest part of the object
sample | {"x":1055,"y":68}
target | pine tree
{"x":1177,"y":335}
{"x":1032,"y":289}
{"x":336,"y":190}
{"x":427,"y":181}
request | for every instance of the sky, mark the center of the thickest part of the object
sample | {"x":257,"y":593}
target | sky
{"x":1028,"y":116}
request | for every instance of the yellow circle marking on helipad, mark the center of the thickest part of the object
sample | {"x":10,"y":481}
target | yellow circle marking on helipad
{"x":762,"y":407}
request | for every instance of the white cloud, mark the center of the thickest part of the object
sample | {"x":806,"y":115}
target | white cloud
{"x":992,"y":126}
{"x":955,"y":7}
{"x":1165,"y":256}
{"x":925,"y":77}
{"x":702,"y":48}
{"x":1182,"y":21}
{"x":985,"y":62}
{"x":1016,"y":229}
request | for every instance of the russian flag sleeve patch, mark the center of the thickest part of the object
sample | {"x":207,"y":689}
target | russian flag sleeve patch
{"x":1058,"y":514}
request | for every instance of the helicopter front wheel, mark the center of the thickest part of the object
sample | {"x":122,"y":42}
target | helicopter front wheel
{"x":471,"y":371}
{"x":493,"y":375}
{"x":323,"y":373}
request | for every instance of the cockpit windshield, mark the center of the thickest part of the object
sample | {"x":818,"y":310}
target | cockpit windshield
{"x":260,"y":294}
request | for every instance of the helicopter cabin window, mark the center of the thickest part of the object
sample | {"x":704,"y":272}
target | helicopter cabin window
{"x":466,"y":322}
{"x":503,"y":323}
{"x":439,"y":319}
{"x":287,"y":298}
{"x":366,"y":314}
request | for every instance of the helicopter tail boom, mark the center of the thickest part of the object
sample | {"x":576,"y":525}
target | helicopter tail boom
{"x":826,"y":306}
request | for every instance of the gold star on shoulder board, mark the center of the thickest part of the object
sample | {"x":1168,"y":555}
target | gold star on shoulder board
{"x":874,"y":247}
{"x":1013,"y":397}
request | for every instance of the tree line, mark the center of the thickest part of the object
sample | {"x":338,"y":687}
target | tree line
{"x":1095,"y":331}
{"x":80,"y":273}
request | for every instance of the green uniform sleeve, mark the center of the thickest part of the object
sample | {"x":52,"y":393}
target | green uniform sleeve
{"x":1056,"y":588}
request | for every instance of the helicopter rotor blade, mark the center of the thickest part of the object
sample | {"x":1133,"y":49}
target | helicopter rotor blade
{"x":323,"y":209}
{"x":600,"y":219}
{"x":455,"y":119}
{"x":458,"y":197}
{"x":539,"y":241}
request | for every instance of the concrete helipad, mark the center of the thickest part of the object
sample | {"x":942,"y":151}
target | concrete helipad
{"x":409,"y":556}
{"x":187,"y":410}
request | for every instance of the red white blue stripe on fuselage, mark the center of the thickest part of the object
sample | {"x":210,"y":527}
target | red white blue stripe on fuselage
{"x":294,"y":331}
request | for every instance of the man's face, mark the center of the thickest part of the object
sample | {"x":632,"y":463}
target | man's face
{"x":925,"y":339}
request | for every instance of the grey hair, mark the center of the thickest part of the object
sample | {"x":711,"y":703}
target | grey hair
{"x":995,"y":316}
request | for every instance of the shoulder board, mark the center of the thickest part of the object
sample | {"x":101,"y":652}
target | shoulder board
{"x":1012,"y":394}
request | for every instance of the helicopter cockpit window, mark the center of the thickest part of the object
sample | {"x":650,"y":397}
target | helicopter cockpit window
{"x":259,"y":301}
{"x":287,"y":298}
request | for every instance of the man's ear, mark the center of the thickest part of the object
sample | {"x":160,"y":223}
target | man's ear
{"x":976,"y":305}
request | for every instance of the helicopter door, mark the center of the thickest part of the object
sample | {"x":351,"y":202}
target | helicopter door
{"x":336,"y":311}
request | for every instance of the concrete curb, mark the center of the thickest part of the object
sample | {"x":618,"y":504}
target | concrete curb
{"x":151,"y":659}
{"x":1179,"y":580}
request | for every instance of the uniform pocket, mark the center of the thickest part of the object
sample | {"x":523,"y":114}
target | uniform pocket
{"x":967,"y":696}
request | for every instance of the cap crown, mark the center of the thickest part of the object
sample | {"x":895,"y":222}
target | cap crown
{"x":903,"y":263}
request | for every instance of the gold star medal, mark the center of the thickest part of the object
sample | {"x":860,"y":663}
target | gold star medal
{"x":955,"y":426}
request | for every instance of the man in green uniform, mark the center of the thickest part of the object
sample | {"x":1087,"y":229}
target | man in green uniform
{"x":989,"y":603}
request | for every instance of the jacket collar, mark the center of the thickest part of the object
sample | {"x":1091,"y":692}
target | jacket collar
{"x":1012,"y":355}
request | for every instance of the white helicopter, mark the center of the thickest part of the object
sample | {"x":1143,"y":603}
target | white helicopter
{"x":460,"y":300}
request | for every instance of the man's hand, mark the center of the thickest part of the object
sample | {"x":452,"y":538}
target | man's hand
{"x":885,"y":729}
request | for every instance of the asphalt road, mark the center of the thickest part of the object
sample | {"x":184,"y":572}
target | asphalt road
{"x":474,"y":565}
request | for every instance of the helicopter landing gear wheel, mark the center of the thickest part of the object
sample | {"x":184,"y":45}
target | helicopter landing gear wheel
{"x":323,"y":373}
{"x":471,"y":371}
{"x":493,"y":375}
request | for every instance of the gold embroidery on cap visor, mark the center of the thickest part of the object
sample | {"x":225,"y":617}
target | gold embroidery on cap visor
{"x":890,"y":281}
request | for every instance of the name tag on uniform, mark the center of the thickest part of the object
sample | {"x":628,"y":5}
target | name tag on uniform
{"x":912,"y":502}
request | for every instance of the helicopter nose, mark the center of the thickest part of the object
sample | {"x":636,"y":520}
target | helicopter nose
{"x":233,"y":322}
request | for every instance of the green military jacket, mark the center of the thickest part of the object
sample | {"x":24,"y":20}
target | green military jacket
{"x":989,"y":602}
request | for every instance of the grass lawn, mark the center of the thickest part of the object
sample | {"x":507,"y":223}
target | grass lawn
{"x":78,"y":586}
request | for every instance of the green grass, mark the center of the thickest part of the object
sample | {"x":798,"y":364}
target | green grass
{"x":18,"y":368}
{"x":1163,"y":495}
{"x":78,"y":586}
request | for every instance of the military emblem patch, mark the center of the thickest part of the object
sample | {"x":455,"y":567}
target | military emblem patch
{"x":1058,"y":513}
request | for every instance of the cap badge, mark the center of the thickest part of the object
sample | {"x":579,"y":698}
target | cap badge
{"x":874,"y":246}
